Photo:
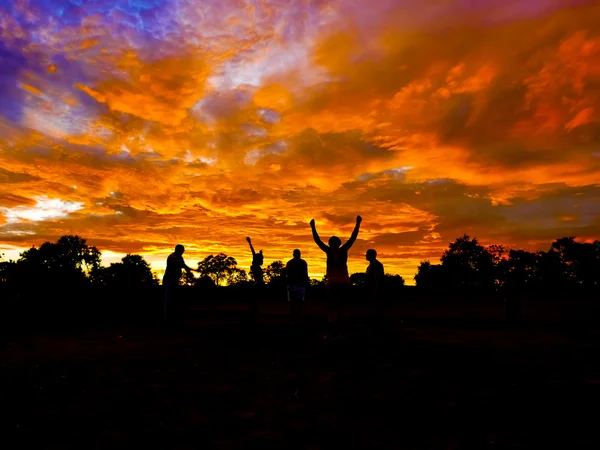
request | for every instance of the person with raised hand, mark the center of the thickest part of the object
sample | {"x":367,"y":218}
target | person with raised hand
{"x":338,"y":279}
{"x":256,"y":272}
{"x":257,"y":261}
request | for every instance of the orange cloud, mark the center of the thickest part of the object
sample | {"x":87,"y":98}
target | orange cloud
{"x":162,"y":92}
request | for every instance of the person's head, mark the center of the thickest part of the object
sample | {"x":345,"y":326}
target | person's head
{"x":371,"y":254}
{"x":296,"y":253}
{"x":179,"y":249}
{"x":335,"y":242}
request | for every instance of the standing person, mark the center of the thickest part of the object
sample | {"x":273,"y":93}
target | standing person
{"x":338,"y":279}
{"x":175,"y":264}
{"x":257,"y":275}
{"x":374,"y":279}
{"x":296,"y":273}
{"x":257,"y":261}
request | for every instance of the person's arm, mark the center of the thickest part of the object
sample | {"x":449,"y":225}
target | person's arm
{"x":354,"y":235}
{"x":316,"y":237}
{"x":184,"y":266}
{"x":251,"y":248}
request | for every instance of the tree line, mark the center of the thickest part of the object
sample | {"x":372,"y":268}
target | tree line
{"x":468,"y":266}
{"x":71,"y":263}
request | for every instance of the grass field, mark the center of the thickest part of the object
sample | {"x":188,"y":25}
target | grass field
{"x":215,"y":381}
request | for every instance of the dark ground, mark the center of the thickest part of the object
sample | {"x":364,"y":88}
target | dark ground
{"x":213,"y":382}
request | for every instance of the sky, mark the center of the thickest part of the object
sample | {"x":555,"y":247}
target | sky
{"x":142,"y":124}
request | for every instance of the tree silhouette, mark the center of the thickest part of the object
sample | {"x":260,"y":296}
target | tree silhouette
{"x":580,"y":261}
{"x":429,"y":275}
{"x":274,"y":273}
{"x":550,"y":270}
{"x":218,"y":267}
{"x":68,"y":253}
{"x":358,"y":278}
{"x":133,"y":271}
{"x":188,"y":279}
{"x":62,"y":265}
{"x":467,"y":264}
{"x":237,"y":277}
{"x":393,"y":282}
{"x":521,"y":269}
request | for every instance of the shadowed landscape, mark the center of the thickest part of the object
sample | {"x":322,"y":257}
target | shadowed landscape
{"x":453,"y":383}
{"x":445,"y":369}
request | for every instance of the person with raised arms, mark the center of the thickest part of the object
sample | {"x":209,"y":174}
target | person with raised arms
{"x":338,"y":279}
{"x":256,"y":272}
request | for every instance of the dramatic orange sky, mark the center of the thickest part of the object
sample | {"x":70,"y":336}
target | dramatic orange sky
{"x":141,"y":124}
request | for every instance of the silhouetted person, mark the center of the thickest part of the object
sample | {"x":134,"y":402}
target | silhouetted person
{"x":338,"y":279}
{"x":257,"y":275}
{"x":373,"y":281}
{"x":175,"y":264}
{"x":257,"y":262}
{"x":296,"y":272}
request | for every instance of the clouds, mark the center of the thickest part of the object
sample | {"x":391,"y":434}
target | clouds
{"x":146,"y":123}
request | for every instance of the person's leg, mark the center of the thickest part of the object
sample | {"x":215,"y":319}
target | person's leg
{"x":334,"y":310}
{"x":290,"y":299}
{"x":374,"y":307}
{"x":166,"y":300}
{"x":297,"y":298}
{"x":173,"y":302}
{"x":381,"y":315}
{"x":342,"y":311}
{"x":255,"y":293}
{"x":378,"y":312}
{"x":300,"y":302}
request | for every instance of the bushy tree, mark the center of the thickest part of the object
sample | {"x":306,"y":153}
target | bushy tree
{"x":580,"y":261}
{"x":430,"y":276}
{"x":218,"y":267}
{"x":393,"y":282}
{"x":275,"y":273}
{"x":133,"y":271}
{"x":63,"y":264}
{"x":188,"y":279}
{"x":237,"y":277}
{"x":467,"y":264}
{"x":358,"y":278}
{"x":68,"y":253}
{"x":521,"y":269}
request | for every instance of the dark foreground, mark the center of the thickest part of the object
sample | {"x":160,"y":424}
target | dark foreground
{"x":214,"y":382}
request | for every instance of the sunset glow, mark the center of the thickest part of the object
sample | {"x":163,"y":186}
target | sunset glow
{"x":142,"y":124}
